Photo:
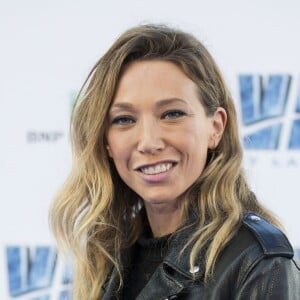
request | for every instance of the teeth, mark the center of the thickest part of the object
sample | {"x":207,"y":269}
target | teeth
{"x":157,"y":169}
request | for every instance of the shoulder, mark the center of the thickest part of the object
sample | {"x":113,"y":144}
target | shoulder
{"x":272,"y":241}
{"x":267,"y":262}
{"x":258,"y":248}
{"x":256,"y":240}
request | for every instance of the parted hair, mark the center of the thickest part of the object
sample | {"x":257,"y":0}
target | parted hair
{"x":95,"y":215}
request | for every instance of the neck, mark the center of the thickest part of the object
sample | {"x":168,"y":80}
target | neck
{"x":164,"y":220}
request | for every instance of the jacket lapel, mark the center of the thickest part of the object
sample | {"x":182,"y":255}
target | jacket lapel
{"x":174,"y":274}
{"x":160,"y":286}
{"x":170,"y":278}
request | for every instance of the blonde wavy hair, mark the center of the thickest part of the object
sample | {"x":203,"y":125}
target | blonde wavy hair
{"x":95,"y":215}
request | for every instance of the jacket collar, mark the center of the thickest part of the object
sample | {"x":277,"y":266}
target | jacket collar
{"x":179,"y":260}
{"x":172,"y":276}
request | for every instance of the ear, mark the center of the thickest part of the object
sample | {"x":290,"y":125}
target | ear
{"x":108,"y":151}
{"x":219,"y":120}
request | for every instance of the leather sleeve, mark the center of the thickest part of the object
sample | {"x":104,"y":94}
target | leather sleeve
{"x":274,"y":278}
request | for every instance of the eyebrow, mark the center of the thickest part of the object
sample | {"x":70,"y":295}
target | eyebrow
{"x":164,"y":102}
{"x":160,"y":103}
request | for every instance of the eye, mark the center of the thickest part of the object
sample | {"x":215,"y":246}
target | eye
{"x":123,"y":120}
{"x":173,"y":114}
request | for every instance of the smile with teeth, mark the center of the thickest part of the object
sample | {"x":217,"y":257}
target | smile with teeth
{"x":159,"y":168}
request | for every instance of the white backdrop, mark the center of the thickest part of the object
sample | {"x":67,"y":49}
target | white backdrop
{"x":47,"y":49}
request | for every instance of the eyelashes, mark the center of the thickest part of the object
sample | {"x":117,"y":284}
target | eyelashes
{"x":173,"y":114}
{"x":123,"y":120}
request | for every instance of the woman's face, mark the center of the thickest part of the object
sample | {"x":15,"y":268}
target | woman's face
{"x":159,"y":134}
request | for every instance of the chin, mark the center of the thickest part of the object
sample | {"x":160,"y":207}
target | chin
{"x":161,"y":202}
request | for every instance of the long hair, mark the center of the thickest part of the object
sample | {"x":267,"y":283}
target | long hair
{"x":95,"y":215}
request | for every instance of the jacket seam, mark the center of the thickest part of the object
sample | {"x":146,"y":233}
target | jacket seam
{"x":251,"y":267}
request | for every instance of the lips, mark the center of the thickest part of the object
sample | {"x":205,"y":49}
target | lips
{"x":157,"y":173}
{"x":159,"y":168}
{"x":156,"y":168}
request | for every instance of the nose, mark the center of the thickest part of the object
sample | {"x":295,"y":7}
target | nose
{"x":150,"y":138}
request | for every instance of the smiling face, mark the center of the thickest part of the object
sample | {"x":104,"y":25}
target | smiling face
{"x":158,"y":134}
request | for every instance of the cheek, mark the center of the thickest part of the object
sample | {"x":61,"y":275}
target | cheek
{"x":112,"y":146}
{"x":113,"y":143}
{"x":196,"y":148}
{"x":116,"y":153}
{"x":118,"y":150}
{"x":109,"y":151}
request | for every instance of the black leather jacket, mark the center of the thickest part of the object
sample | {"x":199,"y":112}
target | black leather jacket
{"x":257,"y":264}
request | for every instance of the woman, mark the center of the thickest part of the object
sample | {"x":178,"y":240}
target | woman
{"x":157,"y":205}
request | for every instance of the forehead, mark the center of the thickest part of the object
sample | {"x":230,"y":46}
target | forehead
{"x":154,"y":79}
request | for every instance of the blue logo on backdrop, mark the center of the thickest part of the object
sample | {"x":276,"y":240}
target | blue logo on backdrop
{"x":264,"y":109}
{"x":32,"y":272}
